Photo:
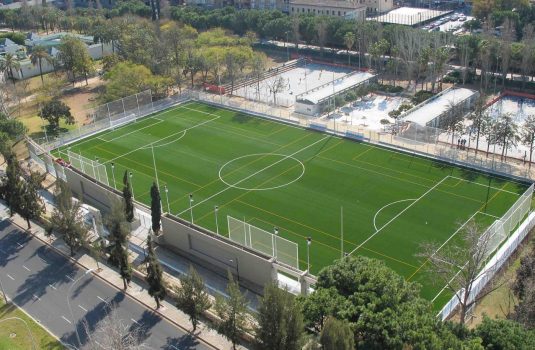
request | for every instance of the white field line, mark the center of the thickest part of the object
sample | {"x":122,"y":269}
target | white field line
{"x":164,"y":138}
{"x":389,"y":204}
{"x":492,"y":216}
{"x":131,"y":132}
{"x":253,"y":174}
{"x":398,"y":215}
{"x":477,"y":183}
{"x":170,"y":142}
{"x":446,"y":286}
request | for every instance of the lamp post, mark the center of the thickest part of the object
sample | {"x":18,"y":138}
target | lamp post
{"x":191,"y":206}
{"x":309,"y":242}
{"x":276,"y":232}
{"x":132,"y":185}
{"x":113,"y":174}
{"x":216,"y":208}
{"x":69,"y":303}
{"x":167,"y":198}
{"x":237,"y":268}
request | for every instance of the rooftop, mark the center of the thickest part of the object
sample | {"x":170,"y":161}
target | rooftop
{"x":340,"y":84}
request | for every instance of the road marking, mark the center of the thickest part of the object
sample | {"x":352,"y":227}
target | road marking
{"x":69,"y":277}
{"x":101,"y":299}
{"x":27,"y":269}
{"x":20,"y":245}
{"x":3,"y":251}
{"x":174,"y":347}
{"x":83,"y":308}
{"x":51,"y":286}
{"x":136,"y":322}
{"x":8,"y":275}
{"x":65,"y":318}
{"x":36,"y":297}
{"x":43,"y":260}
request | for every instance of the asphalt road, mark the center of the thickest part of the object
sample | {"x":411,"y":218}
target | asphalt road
{"x":44,"y":283}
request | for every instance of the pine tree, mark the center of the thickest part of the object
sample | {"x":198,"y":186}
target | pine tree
{"x":128,"y":200}
{"x":155,"y":275}
{"x":233,"y":313}
{"x":280,"y":321}
{"x":119,"y":231}
{"x":67,"y":219}
{"x":337,"y":335}
{"x":155,"y":208}
{"x":31,"y":204}
{"x":192,"y":297}
{"x":12,"y":184}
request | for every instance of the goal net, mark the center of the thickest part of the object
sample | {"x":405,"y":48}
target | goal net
{"x":285,"y":251}
{"x":89,"y":167}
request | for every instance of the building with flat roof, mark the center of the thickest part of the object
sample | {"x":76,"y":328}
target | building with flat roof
{"x":376,"y":6}
{"x":351,"y":10}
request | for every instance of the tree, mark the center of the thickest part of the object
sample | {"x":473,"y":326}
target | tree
{"x":321,"y":304}
{"x":12,"y":186}
{"x":9,"y":63}
{"x":67,"y":219}
{"x":232,"y":312}
{"x":528,"y":135}
{"x":73,"y":53}
{"x":280,"y":322}
{"x":38,"y":54}
{"x":155,"y":208}
{"x":31,"y":204}
{"x":55,"y":110}
{"x":112,"y":332}
{"x":128,"y":197}
{"x":506,"y":133}
{"x":478,"y":117}
{"x":349,"y":41}
{"x":337,"y":335}
{"x":119,"y":233}
{"x":384,"y":308}
{"x":459,"y":264}
{"x":504,"y":335}
{"x":11,"y":131}
{"x":524,"y":289}
{"x":155,"y":280}
{"x":191,"y":296}
{"x":275,"y":86}
{"x":321,"y":33}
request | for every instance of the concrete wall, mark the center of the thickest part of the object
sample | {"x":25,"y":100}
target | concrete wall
{"x":217,"y":251}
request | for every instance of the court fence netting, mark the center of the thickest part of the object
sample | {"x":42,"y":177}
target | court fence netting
{"x":283,"y":250}
{"x":500,"y":241}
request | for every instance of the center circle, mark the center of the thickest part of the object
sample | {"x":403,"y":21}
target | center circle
{"x":262,"y":163}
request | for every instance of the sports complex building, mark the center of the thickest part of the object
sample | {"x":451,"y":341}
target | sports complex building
{"x":270,"y":198}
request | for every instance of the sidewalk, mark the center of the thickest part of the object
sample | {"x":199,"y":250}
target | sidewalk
{"x":136,"y":290}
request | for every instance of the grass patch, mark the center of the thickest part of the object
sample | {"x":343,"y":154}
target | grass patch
{"x":21,"y":339}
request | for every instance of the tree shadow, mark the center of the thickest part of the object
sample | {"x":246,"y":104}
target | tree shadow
{"x":81,"y":287}
{"x":144,"y":324}
{"x":243,"y":118}
{"x":89,"y":323}
{"x":8,"y":243}
{"x":185,"y":342}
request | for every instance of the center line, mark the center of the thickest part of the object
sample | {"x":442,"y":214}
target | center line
{"x":253,"y":174}
{"x":63,"y":317}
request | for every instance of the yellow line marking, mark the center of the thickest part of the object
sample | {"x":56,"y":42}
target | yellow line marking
{"x":148,"y":167}
{"x":362,"y":153}
{"x":427,"y":260}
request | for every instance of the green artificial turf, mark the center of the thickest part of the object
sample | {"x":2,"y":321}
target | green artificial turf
{"x":277,"y":175}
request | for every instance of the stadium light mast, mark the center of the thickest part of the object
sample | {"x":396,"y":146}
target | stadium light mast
{"x":191,"y":206}
{"x":309,"y":242}
{"x":132,"y":185}
{"x":113,"y":174}
{"x":216,"y":208}
{"x":154,"y":163}
{"x":167,"y":198}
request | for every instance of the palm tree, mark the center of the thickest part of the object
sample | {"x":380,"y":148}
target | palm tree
{"x":9,"y":63}
{"x":38,"y":54}
{"x":349,"y":41}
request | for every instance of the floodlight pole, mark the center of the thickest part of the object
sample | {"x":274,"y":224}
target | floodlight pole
{"x":132,"y":185}
{"x":154,"y":162}
{"x":190,"y":206}
{"x":167,"y":198}
{"x":309,"y":242}
{"x":341,"y":231}
{"x":237,"y":267}
{"x":216,"y":208}
{"x":488,"y":192}
{"x":113,"y":174}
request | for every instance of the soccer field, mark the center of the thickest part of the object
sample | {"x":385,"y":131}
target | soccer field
{"x":277,"y":175}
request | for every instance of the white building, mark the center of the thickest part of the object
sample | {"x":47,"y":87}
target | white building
{"x":328,"y":8}
{"x":376,"y":6}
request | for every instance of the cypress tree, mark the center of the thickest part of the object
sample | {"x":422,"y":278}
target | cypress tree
{"x":31,"y":204}
{"x":192,"y":297}
{"x":155,"y":275}
{"x":155,"y":208}
{"x":119,"y":231}
{"x":12,"y":185}
{"x":127,"y":197}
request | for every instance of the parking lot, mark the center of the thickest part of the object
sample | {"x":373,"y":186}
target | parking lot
{"x":450,"y":23}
